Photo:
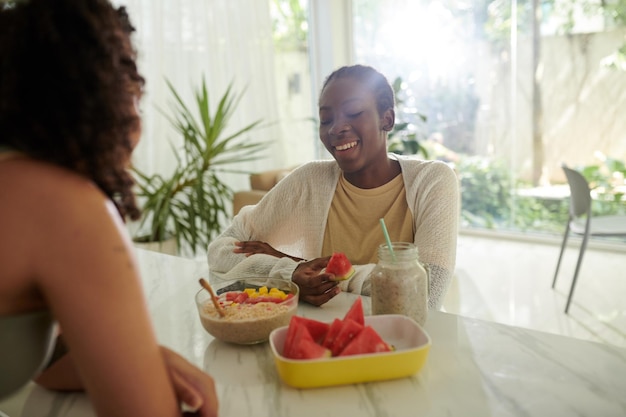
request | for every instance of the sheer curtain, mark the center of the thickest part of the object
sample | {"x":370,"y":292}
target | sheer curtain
{"x":224,"y":40}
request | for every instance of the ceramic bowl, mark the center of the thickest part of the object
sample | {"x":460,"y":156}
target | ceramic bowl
{"x":250,"y":321}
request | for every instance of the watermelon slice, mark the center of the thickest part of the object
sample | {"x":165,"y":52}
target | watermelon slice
{"x":311,"y":339}
{"x":367,"y":341}
{"x":348,"y":331}
{"x":332,"y":333}
{"x":291,"y":334}
{"x":340,"y":266}
{"x":303,"y":346}
{"x":356,"y":312}
{"x":318,"y":329}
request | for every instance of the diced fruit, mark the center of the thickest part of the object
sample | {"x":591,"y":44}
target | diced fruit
{"x":263,"y":299}
{"x":340,"y":266}
{"x":367,"y":341}
{"x":241,"y":298}
{"x":356,"y":312}
{"x":231,"y":295}
{"x":348,"y":331}
{"x":303,"y":345}
{"x":275,"y":292}
{"x":253,"y":296}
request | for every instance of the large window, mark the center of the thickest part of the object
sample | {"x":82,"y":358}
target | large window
{"x":503,"y":97}
{"x":507,"y":98}
{"x":293,"y":81}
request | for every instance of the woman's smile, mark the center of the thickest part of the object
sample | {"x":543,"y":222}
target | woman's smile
{"x":346,"y":146}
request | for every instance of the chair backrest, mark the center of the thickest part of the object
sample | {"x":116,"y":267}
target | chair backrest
{"x":580,"y":193}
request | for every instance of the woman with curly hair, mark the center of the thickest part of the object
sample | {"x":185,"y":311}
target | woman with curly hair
{"x":69,"y":90}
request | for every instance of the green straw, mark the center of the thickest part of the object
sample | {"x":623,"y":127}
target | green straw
{"x":386,"y":233}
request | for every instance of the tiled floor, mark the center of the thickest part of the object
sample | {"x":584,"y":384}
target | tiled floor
{"x":509,"y":281}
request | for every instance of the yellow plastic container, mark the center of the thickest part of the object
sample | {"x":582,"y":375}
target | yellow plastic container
{"x":411,"y":345}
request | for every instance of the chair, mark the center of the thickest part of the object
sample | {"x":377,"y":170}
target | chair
{"x":581,"y":222}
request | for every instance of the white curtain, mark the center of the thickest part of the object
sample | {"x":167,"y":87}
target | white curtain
{"x":224,"y":40}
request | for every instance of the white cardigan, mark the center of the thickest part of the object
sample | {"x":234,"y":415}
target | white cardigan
{"x":292,"y":216}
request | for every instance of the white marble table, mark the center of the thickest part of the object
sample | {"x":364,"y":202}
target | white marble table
{"x":475,"y":368}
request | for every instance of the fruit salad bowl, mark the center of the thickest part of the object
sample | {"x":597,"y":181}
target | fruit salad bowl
{"x":252,"y":308}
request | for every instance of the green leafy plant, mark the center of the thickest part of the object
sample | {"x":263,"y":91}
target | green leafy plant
{"x":606,"y":179}
{"x":190,"y":203}
{"x":404,"y":138}
{"x":488,"y":200}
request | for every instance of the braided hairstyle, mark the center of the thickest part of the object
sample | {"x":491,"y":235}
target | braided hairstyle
{"x":69,"y":85}
{"x":374,"y":80}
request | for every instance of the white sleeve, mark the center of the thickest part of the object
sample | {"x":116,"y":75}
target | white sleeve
{"x":436,"y":212}
{"x":360,"y":282}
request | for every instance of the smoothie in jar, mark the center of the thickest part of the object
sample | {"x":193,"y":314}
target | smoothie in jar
{"x":400,"y":283}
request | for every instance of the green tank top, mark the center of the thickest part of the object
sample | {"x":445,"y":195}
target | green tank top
{"x":26,"y":342}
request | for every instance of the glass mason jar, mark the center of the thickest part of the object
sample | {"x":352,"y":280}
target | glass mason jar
{"x":399,"y":282}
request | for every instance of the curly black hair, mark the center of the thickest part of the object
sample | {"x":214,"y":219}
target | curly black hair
{"x":68,"y":89}
{"x":369,"y":76}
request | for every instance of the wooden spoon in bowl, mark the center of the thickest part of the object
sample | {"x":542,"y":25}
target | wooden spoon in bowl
{"x":216,"y":303}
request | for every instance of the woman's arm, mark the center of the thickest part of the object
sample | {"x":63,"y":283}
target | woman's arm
{"x":251,"y":247}
{"x":274,"y":221}
{"x":436,"y":213}
{"x":84,"y":265}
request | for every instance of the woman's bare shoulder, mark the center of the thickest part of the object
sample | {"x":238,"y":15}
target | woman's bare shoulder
{"x":40,"y":196}
{"x":49,"y":215}
{"x":31,"y":182}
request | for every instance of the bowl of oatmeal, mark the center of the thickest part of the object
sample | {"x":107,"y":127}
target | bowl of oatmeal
{"x":252,"y":307}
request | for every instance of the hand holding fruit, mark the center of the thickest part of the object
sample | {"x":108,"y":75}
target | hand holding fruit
{"x":340,"y":266}
{"x":315,"y":287}
{"x":252,"y":247}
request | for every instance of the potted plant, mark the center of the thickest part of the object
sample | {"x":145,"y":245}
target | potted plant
{"x":189,"y":204}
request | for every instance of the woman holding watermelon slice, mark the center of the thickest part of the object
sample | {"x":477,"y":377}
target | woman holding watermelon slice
{"x":332,"y":206}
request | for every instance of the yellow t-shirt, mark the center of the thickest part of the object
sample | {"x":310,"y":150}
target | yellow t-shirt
{"x":353,"y":224}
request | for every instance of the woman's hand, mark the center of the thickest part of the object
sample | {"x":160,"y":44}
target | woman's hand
{"x":192,"y":386}
{"x":315,"y":288}
{"x":252,"y":247}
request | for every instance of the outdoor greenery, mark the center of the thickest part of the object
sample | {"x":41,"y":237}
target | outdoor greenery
{"x":488,"y":202}
{"x":289,"y":24}
{"x":603,"y":178}
{"x":410,"y":127}
{"x":190,"y":203}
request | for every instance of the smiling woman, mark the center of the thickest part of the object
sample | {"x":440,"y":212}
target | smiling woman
{"x":339,"y":202}
{"x":356,"y":110}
